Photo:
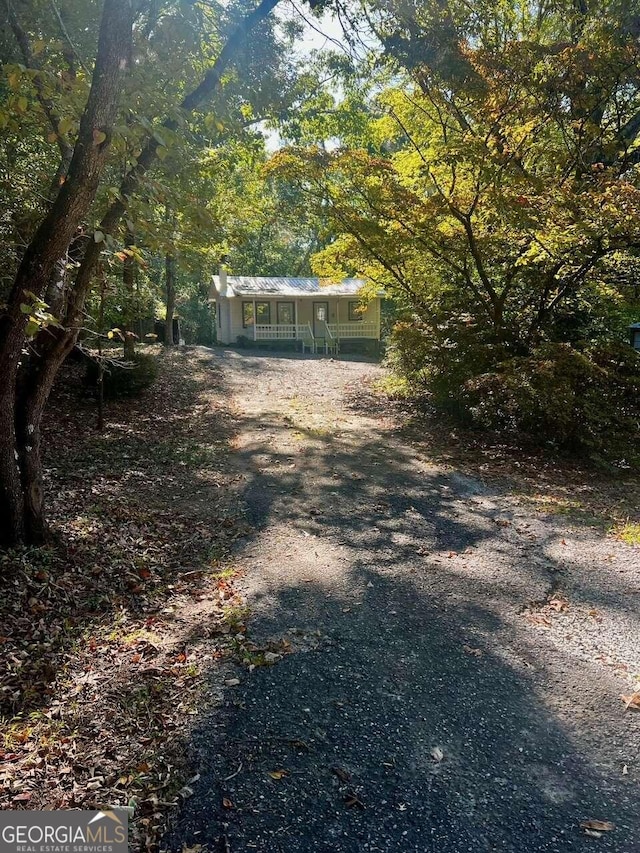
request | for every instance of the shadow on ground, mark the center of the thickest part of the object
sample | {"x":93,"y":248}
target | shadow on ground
{"x":418,"y":710}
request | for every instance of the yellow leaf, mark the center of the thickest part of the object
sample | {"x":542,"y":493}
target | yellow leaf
{"x":278,"y":774}
{"x":99,"y":136}
{"x":161,"y":151}
{"x":22,"y":104}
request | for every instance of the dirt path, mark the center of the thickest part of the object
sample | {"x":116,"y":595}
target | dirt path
{"x":456,"y":664}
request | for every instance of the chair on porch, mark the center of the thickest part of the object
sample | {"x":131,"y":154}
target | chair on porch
{"x":328,"y":343}
{"x":331,"y":346}
{"x":307,"y":341}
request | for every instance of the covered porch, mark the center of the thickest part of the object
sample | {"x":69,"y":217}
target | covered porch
{"x":318,"y":324}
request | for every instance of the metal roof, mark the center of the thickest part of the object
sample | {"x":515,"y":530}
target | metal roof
{"x":242,"y":285}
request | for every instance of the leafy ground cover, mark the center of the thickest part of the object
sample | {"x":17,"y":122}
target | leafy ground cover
{"x":107,"y":633}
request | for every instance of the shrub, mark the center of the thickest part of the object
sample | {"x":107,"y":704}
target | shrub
{"x":440,"y":358}
{"x":584,"y":401}
{"x":409,"y":354}
{"x":125,"y":379}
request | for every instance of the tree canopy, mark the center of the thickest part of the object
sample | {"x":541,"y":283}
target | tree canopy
{"x":479,"y":161}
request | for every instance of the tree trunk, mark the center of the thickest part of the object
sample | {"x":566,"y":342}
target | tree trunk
{"x":22,"y":519}
{"x":100,"y":359}
{"x":20,"y":478}
{"x":170,"y":284}
{"x":128,"y":280}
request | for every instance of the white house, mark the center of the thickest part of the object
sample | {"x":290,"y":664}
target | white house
{"x":297,"y":310}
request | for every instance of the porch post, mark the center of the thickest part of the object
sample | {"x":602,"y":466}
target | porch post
{"x":295,"y":317}
{"x":255,"y":321}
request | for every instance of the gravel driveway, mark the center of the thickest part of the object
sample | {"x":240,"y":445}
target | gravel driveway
{"x":456,"y":663}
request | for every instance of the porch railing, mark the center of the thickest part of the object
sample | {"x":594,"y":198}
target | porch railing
{"x":282,"y":332}
{"x":353,"y":330}
{"x":303,"y":331}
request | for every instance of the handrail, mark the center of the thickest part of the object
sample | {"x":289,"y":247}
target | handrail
{"x":282,"y":331}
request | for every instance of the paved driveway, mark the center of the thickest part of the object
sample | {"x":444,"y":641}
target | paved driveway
{"x":456,"y":664}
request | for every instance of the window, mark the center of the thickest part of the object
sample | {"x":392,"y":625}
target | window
{"x":286,"y":313}
{"x":356,"y":310}
{"x":263,"y":313}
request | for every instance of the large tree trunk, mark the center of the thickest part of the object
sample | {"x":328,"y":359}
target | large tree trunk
{"x":22,"y":517}
{"x":170,"y":285}
{"x":19,"y":449}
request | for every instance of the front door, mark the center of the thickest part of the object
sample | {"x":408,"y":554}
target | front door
{"x":320,"y":319}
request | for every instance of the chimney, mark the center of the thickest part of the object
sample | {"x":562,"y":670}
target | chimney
{"x":222,"y":276}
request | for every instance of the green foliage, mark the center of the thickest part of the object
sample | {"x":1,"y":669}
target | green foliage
{"x":196,"y":320}
{"x":440,"y":356}
{"x":126,"y":379}
{"x":585,"y":402}
{"x":494,"y":192}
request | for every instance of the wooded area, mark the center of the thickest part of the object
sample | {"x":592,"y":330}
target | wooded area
{"x":481,"y":165}
{"x":477,"y":165}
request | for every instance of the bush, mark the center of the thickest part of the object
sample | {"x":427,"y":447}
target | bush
{"x":125,"y":380}
{"x":439,"y":359}
{"x":584,"y":401}
{"x":409,"y":354}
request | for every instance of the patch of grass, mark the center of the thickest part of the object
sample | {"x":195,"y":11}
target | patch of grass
{"x":574,"y":510}
{"x":235,"y":616}
{"x":629,"y":533}
{"x":392,"y":386}
{"x":320,"y":432}
{"x":141,"y":635}
{"x":225,"y":574}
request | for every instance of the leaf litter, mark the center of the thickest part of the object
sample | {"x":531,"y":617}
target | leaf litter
{"x":110,"y":634}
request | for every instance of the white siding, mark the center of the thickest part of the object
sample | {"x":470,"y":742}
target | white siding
{"x":231,"y":327}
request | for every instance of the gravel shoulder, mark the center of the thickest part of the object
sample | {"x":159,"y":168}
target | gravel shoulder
{"x":452,"y":663}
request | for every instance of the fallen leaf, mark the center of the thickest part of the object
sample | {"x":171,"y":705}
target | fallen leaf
{"x":352,"y":800}
{"x":227,"y":803}
{"x":232,"y":682}
{"x":632,"y":702}
{"x":278,"y":774}
{"x":471,"y":651}
{"x":539,"y":619}
{"x":437,"y":754}
{"x":597,"y":825}
{"x":342,"y":775}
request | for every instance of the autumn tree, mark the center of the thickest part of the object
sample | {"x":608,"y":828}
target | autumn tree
{"x":102,"y":166}
{"x":506,"y":169}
